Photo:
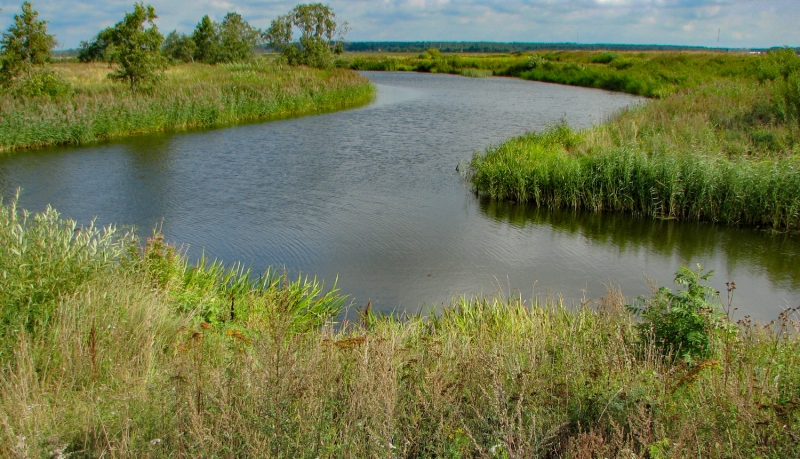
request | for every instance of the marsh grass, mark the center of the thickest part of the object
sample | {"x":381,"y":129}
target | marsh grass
{"x":137,"y":361}
{"x":476,"y":73}
{"x":650,"y":74}
{"x":189,"y":95}
{"x":719,"y":152}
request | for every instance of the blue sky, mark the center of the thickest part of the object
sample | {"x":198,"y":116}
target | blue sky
{"x":740,"y":23}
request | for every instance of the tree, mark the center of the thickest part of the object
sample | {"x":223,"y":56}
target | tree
{"x":97,"y":50}
{"x":25,"y":45}
{"x":320,"y":36}
{"x":237,"y":39}
{"x":136,"y":49}
{"x":232,"y":40}
{"x":179,"y":47}
{"x":206,"y":41}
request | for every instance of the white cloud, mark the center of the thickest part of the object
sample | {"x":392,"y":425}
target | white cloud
{"x":742,"y":23}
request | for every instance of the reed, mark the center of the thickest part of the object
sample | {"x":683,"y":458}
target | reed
{"x":142,"y":356}
{"x":189,"y":95}
{"x":650,"y":74}
{"x":718,"y":153}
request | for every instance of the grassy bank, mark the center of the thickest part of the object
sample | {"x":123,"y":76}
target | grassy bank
{"x":650,"y":74}
{"x":725,"y":151}
{"x":109,"y":349}
{"x":82,"y":105}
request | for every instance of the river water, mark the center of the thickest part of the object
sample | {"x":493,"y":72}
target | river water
{"x":371,"y":197}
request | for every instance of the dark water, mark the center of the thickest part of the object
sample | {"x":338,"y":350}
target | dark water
{"x":372,"y":196}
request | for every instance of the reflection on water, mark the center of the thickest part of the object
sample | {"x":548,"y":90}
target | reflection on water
{"x":371,"y":197}
{"x":759,"y":252}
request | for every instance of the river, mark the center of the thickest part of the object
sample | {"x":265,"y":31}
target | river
{"x":371,"y":197}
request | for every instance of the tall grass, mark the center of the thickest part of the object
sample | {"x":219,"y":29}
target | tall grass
{"x":720,"y":152}
{"x":190,"y":95}
{"x":650,"y":74}
{"x":144,"y":355}
{"x":683,"y":186}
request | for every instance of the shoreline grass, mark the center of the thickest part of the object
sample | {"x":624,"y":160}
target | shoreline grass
{"x":715,"y":153}
{"x":112,"y":348}
{"x":723,"y":148}
{"x":654,"y":74}
{"x":189,"y":96}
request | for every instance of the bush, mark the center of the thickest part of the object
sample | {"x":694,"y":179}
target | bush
{"x":621,"y":63}
{"x":603,"y":58}
{"x":44,"y":83}
{"x":44,"y":258}
{"x":680,"y":324}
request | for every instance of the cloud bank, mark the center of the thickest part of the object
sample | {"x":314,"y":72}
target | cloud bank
{"x":725,"y":23}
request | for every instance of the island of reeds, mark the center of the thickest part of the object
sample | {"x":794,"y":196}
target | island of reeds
{"x":115,"y":346}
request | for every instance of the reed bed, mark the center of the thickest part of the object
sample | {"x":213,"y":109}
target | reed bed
{"x":145,"y":355}
{"x":650,"y":74}
{"x":189,"y":95}
{"x":719,"y":152}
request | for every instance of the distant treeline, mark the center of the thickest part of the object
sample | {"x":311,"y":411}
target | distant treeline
{"x":489,"y":47}
{"x":494,"y":47}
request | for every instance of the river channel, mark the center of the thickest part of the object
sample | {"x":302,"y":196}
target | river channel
{"x":371,"y":197}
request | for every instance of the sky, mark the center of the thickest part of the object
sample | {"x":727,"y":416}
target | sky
{"x":723,"y":23}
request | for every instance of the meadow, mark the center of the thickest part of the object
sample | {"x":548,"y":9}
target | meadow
{"x":75,"y":103}
{"x":112,"y":346}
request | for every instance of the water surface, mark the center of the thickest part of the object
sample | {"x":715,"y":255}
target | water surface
{"x":371,"y":197}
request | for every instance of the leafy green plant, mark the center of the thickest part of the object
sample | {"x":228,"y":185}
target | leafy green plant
{"x":42,"y":83}
{"x":681,"y":323}
{"x":42,"y":259}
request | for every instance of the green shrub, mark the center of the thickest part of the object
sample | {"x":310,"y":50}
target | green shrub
{"x":622,"y":63}
{"x":42,"y":259}
{"x":603,"y":58}
{"x":44,"y":83}
{"x":681,"y":323}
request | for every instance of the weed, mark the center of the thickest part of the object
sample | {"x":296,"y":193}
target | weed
{"x":681,"y":323}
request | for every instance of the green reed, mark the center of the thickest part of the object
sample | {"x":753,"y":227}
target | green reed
{"x":716,"y":153}
{"x":650,"y":74}
{"x":190,"y":95}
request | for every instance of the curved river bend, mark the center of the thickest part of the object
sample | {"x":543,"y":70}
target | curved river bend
{"x":372,"y":196}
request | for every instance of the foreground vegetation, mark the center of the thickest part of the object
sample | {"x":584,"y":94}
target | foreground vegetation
{"x":82,"y":105}
{"x":109,"y":349}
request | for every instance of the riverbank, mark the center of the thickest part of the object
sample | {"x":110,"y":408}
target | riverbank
{"x":723,"y":152}
{"x":719,"y":143}
{"x":108,"y":348}
{"x":87,"y":106}
{"x":654,"y":74}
